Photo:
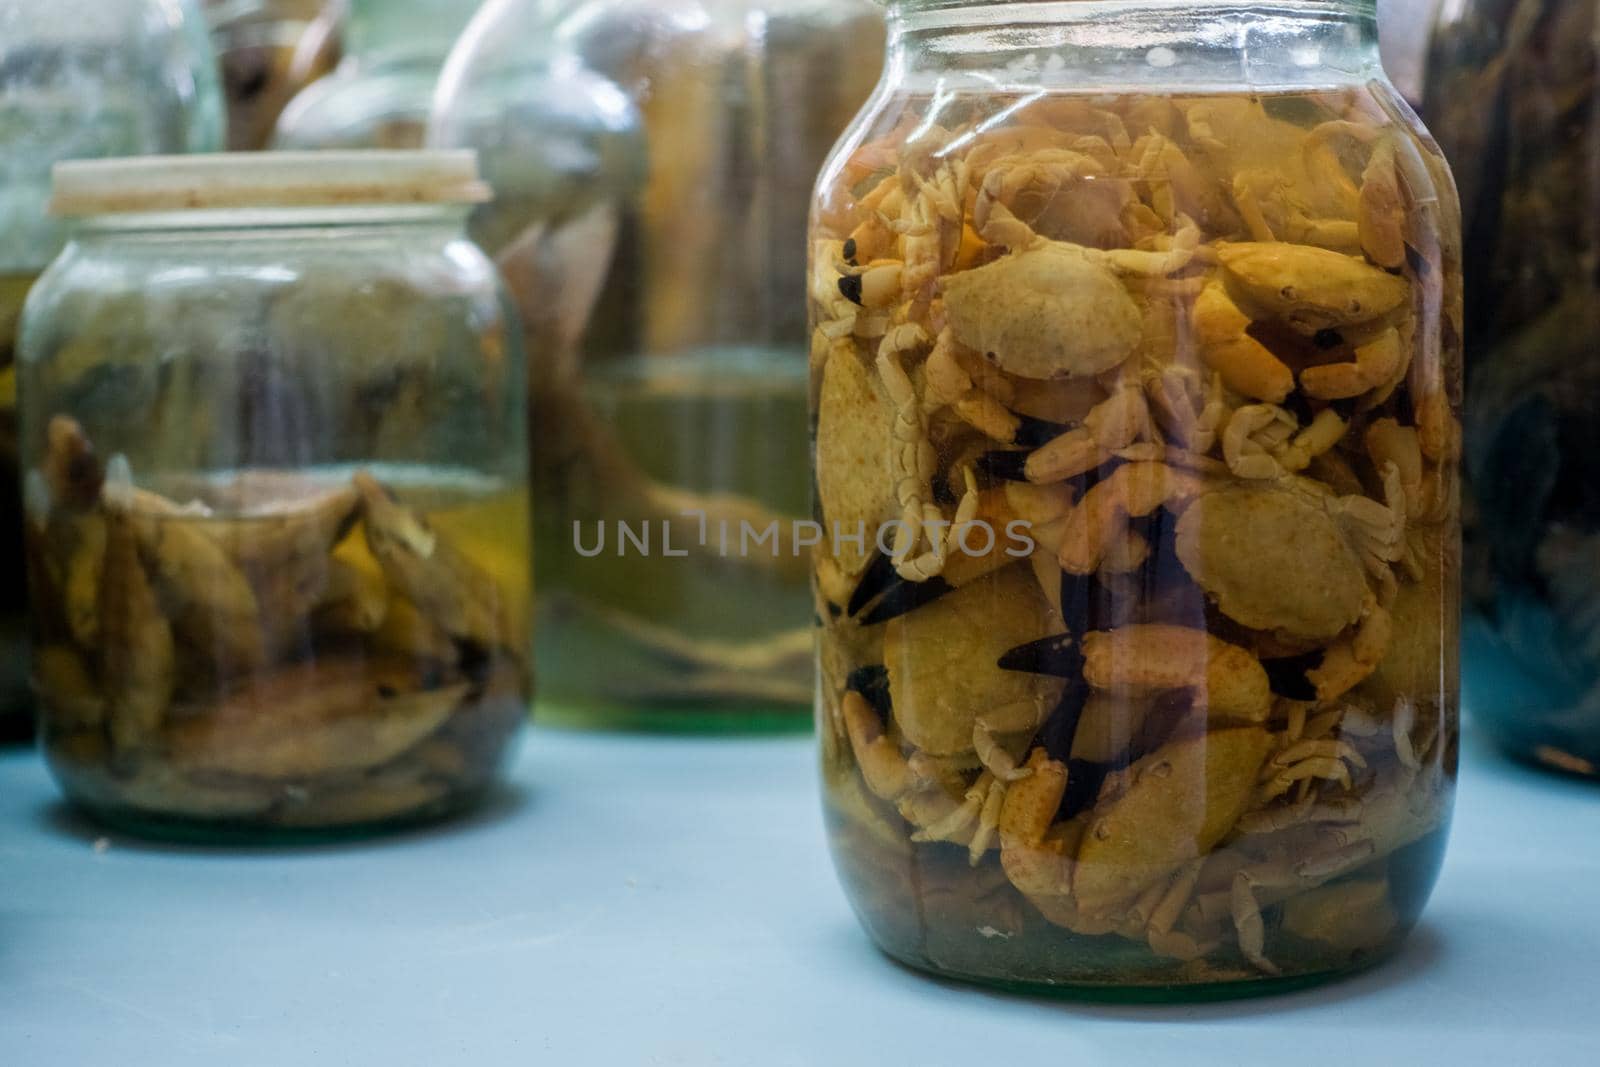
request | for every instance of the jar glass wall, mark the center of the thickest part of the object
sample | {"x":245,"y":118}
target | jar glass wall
{"x":1135,"y":363}
{"x":653,"y":171}
{"x":276,"y":496}
{"x":1511,"y":94}
{"x":78,"y":79}
{"x":379,"y":95}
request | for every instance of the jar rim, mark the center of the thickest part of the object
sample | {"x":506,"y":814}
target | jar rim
{"x":140,"y":185}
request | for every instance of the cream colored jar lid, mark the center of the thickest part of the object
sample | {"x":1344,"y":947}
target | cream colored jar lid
{"x":244,"y":180}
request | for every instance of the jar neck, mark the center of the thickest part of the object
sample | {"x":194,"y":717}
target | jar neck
{"x":399,"y":32}
{"x":1106,"y":44}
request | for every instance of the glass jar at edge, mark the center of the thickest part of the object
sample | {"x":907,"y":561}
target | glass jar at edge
{"x":78,"y":79}
{"x":1136,"y":344}
{"x":1511,"y":98}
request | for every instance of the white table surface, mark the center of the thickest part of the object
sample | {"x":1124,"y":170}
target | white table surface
{"x":666,"y":900}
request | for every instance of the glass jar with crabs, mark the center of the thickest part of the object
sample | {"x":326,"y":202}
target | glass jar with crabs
{"x":276,"y":494}
{"x":1135,"y":417}
{"x":78,"y":79}
{"x":1512,"y":97}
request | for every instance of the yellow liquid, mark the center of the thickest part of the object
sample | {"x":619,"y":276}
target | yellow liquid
{"x":494,"y":532}
{"x":13,"y":294}
{"x":695,"y":631}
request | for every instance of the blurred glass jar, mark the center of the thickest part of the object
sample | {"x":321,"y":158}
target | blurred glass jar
{"x":78,"y":78}
{"x":379,"y":95}
{"x":647,"y":211}
{"x":269,"y":50}
{"x":1403,"y":27}
{"x":276,"y":494}
{"x":1512,"y":98}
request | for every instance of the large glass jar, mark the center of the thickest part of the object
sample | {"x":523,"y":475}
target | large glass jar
{"x":78,"y":78}
{"x":379,"y":95}
{"x":268,"y":51}
{"x":276,"y":494}
{"x":1512,"y":96}
{"x":1135,"y":421}
{"x":652,"y":171}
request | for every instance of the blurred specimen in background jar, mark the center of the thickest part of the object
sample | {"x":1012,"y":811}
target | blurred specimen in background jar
{"x":78,"y":78}
{"x":276,"y":494}
{"x":268,"y":51}
{"x":1403,"y":29}
{"x":652,"y":171}
{"x":1512,"y":97}
{"x":1139,"y":355}
{"x":379,"y":95}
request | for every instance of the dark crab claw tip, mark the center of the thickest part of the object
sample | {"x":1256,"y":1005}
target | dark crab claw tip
{"x":850,"y":250}
{"x":1085,"y":780}
{"x":1079,"y":599}
{"x":1287,"y":677}
{"x":1417,"y":261}
{"x":1299,"y":405}
{"x":1032,"y":432}
{"x":904,"y":597}
{"x":1057,"y":657}
{"x":1346,"y":409}
{"x":1003,"y":465}
{"x":873,"y":685}
{"x":1146,"y":526}
{"x":878,"y":577}
{"x":850,"y":288}
{"x":1061,"y":726}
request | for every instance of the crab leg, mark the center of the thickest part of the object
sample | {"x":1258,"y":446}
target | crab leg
{"x":1132,"y":491}
{"x":1246,"y":365}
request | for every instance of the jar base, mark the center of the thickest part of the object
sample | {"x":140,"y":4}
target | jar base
{"x":925,"y":907}
{"x":226,"y":833}
{"x":1152,"y":994}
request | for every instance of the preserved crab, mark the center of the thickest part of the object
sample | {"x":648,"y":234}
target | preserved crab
{"x":289,"y":650}
{"x":1204,"y":706}
{"x":981,"y":716}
